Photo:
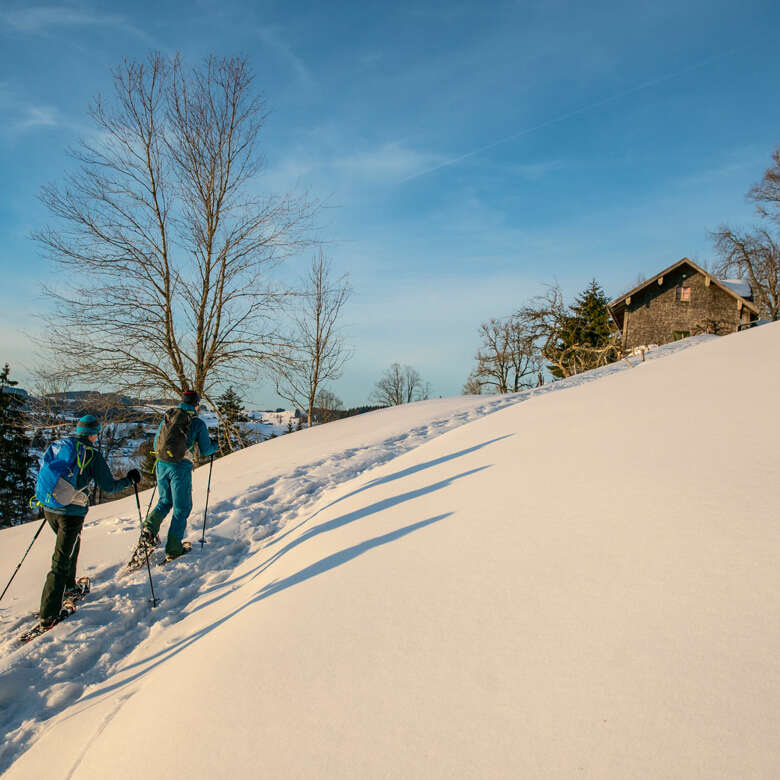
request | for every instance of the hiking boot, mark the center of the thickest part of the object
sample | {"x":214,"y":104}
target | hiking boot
{"x":176,"y":550}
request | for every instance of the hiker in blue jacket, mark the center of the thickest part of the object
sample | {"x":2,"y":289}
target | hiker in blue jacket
{"x":67,"y":518}
{"x":179,"y":431}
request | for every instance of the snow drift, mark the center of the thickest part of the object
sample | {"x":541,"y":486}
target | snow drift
{"x":581,"y":584}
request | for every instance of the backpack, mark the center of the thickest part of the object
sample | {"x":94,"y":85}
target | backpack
{"x":61,"y":464}
{"x":174,"y":431}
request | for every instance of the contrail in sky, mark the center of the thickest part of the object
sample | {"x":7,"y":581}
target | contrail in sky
{"x":563,"y":117}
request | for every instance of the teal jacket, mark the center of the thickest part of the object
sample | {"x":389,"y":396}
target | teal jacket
{"x":199,"y":434}
{"x":96,"y":469}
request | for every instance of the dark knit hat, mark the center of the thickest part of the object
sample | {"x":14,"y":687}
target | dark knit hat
{"x":88,"y":425}
{"x":190,"y":397}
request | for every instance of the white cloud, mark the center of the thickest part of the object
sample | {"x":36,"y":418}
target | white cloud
{"x":36,"y":116}
{"x":37,"y":20}
{"x":390,"y":162}
{"x":338,"y":172}
{"x":21,"y":115}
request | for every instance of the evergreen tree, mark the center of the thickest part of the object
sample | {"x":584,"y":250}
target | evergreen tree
{"x":584,"y":332}
{"x":591,"y":317}
{"x":231,"y":412}
{"x":16,"y":485}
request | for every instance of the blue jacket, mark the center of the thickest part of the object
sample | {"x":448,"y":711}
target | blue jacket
{"x":199,"y":434}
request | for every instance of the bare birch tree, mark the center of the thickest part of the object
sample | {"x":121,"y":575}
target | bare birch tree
{"x":162,"y":230}
{"x":316,"y":351}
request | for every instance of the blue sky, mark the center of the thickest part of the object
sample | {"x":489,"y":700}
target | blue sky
{"x":470,"y":152}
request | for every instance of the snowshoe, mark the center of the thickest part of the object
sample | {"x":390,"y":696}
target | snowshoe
{"x":185,"y":548}
{"x":82,"y":588}
{"x":67,"y":609}
{"x":146,"y":543}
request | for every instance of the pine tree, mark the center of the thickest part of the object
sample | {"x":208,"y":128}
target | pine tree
{"x":584,"y":332}
{"x":231,"y":412}
{"x":16,"y":485}
{"x":591,"y":316}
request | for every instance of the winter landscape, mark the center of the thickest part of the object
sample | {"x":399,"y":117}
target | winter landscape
{"x":389,"y":390}
{"x":423,"y":600}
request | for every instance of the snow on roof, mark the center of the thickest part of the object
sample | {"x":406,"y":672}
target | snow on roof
{"x":739,"y":286}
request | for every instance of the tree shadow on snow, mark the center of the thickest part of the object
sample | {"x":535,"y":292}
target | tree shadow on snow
{"x":325,"y":564}
{"x":331,"y":525}
{"x":390,"y":478}
{"x":308,"y":572}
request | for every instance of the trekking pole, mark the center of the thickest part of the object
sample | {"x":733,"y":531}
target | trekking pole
{"x":205,"y":511}
{"x":154,"y":599}
{"x":154,"y":489}
{"x":40,"y":528}
{"x":148,"y":509}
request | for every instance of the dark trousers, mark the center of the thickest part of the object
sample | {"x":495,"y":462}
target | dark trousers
{"x":63,"y":562}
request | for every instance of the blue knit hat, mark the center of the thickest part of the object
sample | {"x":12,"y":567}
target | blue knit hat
{"x":88,"y":425}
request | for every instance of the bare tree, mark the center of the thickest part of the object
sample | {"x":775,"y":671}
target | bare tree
{"x":473,"y":385}
{"x":400,"y":385}
{"x":163,"y":232}
{"x":766,"y":194}
{"x":47,"y":405}
{"x":507,"y":356}
{"x":327,"y":404}
{"x":547,"y":322}
{"x":755,"y":254}
{"x":316,"y":351}
{"x":561,"y":333}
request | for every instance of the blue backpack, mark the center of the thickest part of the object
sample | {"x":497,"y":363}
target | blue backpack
{"x":61,"y":464}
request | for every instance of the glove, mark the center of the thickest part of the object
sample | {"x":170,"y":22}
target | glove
{"x":134,"y":475}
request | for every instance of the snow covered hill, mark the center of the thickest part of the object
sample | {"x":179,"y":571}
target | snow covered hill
{"x":579,"y":581}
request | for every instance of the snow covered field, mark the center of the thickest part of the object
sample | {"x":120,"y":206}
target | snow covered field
{"x":577,"y":581}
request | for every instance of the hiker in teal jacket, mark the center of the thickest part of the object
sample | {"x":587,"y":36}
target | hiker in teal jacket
{"x":174,"y":481}
{"x":67,"y":521}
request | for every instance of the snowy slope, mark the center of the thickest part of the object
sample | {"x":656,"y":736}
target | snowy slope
{"x":581,"y":584}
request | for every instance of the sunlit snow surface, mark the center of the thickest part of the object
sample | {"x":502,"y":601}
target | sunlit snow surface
{"x":550,"y":584}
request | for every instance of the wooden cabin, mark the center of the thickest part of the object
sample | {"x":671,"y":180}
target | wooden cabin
{"x":682,"y":300}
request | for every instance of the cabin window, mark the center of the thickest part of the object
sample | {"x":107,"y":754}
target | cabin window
{"x":677,"y":335}
{"x":683,"y":293}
